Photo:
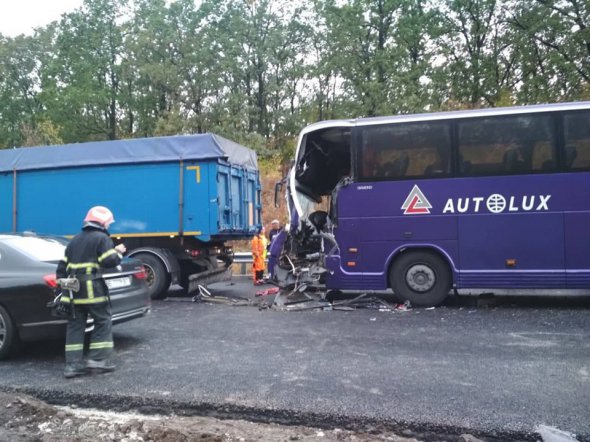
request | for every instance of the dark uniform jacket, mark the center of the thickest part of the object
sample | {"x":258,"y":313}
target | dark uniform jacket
{"x":88,"y":252}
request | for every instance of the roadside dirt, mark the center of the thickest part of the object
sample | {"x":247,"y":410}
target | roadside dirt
{"x":24,"y":418}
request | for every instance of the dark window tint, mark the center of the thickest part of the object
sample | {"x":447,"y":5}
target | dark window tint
{"x":577,"y":140}
{"x":410,"y":150}
{"x":506,"y":145}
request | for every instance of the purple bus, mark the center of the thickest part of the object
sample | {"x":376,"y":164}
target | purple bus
{"x":466,"y":202}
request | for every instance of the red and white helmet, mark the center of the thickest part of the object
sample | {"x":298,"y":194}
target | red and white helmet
{"x":100,"y":215}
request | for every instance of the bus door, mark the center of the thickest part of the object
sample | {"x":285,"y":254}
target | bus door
{"x":576,"y":193}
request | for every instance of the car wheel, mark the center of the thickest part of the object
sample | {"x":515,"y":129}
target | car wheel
{"x":156,"y":275}
{"x":421,"y":277}
{"x":8,"y":336}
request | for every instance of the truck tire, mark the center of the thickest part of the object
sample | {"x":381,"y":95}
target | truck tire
{"x":157,"y":277}
{"x":8,"y":338}
{"x":421,"y":277}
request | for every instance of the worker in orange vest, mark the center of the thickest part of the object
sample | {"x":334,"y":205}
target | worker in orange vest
{"x":258,"y":252}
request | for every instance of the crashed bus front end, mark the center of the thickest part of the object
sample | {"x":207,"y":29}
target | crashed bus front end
{"x":305,"y":257}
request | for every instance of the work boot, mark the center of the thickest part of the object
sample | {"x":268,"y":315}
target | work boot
{"x":103,"y":365}
{"x":74,"y":370}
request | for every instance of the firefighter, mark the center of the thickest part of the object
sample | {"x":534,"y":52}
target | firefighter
{"x":86,"y":254}
{"x":258,"y":252}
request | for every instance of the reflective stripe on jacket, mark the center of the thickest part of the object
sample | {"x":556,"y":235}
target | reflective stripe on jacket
{"x":86,"y":254}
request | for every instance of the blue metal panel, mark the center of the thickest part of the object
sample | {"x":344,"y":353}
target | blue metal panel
{"x":252,"y":208}
{"x":197,"y":178}
{"x":224,"y":196}
{"x":144,"y":198}
{"x":6,"y":189}
{"x":236,"y":199}
{"x":214,"y":199}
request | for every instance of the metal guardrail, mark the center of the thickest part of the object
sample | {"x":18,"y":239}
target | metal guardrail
{"x":242,"y":264}
{"x":241,"y":257}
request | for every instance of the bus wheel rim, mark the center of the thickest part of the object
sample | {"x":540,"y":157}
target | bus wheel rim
{"x":420,"y":278}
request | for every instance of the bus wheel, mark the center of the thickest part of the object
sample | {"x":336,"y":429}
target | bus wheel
{"x":421,"y":277}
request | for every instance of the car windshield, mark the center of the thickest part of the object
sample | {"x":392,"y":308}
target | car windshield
{"x":38,"y":249}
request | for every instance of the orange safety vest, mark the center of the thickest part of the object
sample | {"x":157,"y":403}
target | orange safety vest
{"x":258,"y":253}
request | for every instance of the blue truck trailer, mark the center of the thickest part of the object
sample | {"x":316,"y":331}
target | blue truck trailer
{"x":177,"y":200}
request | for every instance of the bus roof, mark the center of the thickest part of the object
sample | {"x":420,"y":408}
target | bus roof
{"x":137,"y":150}
{"x":447,"y":115}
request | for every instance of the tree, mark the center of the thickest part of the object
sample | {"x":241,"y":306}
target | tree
{"x":555,"y":44}
{"x":478,"y":54}
{"x":82,"y":82}
{"x":19,"y":88}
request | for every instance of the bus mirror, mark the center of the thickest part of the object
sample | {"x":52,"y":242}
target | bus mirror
{"x":278,"y":189}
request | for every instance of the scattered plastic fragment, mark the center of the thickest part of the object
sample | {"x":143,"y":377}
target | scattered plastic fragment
{"x":268,"y":292}
{"x":406,"y":306}
{"x":552,"y":434}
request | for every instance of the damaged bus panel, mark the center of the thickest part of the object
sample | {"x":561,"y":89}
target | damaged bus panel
{"x":482,"y":201}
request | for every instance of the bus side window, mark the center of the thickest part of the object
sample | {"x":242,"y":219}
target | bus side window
{"x":577,"y":141}
{"x":506,"y":145}
{"x":396,"y":168}
{"x":571,"y":153}
{"x":513,"y":161}
{"x":406,"y":150}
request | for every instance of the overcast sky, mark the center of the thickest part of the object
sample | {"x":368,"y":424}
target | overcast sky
{"x":21,"y":16}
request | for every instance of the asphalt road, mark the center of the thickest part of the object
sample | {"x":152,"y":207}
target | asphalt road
{"x":492,"y":371}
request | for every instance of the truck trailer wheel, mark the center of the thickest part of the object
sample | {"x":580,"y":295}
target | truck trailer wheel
{"x":421,"y":277}
{"x":157,"y":277}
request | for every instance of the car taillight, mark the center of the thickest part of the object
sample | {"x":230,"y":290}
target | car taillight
{"x":50,"y":280}
{"x":194,"y":252}
{"x":140,"y":274}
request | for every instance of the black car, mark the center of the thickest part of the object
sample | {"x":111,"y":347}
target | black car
{"x":27,"y":284}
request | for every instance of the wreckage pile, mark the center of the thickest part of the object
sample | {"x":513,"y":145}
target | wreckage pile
{"x":301,"y":300}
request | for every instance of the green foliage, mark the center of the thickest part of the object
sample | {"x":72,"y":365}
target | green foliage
{"x":44,"y":133}
{"x":258,"y":71}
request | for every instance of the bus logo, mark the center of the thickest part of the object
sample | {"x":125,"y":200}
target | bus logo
{"x":496,"y":203}
{"x":416,"y":203}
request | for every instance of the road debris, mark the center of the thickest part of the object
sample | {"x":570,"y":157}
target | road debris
{"x":205,"y":295}
{"x":267,"y":292}
{"x":552,"y":434}
{"x":301,"y":300}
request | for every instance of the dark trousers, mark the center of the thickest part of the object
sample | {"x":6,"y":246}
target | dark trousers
{"x":101,"y":339}
{"x":258,"y":275}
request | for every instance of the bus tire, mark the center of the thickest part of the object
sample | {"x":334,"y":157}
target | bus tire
{"x":421,"y":277}
{"x":157,"y":277}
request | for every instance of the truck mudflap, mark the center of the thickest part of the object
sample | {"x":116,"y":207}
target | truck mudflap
{"x":208,"y":277}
